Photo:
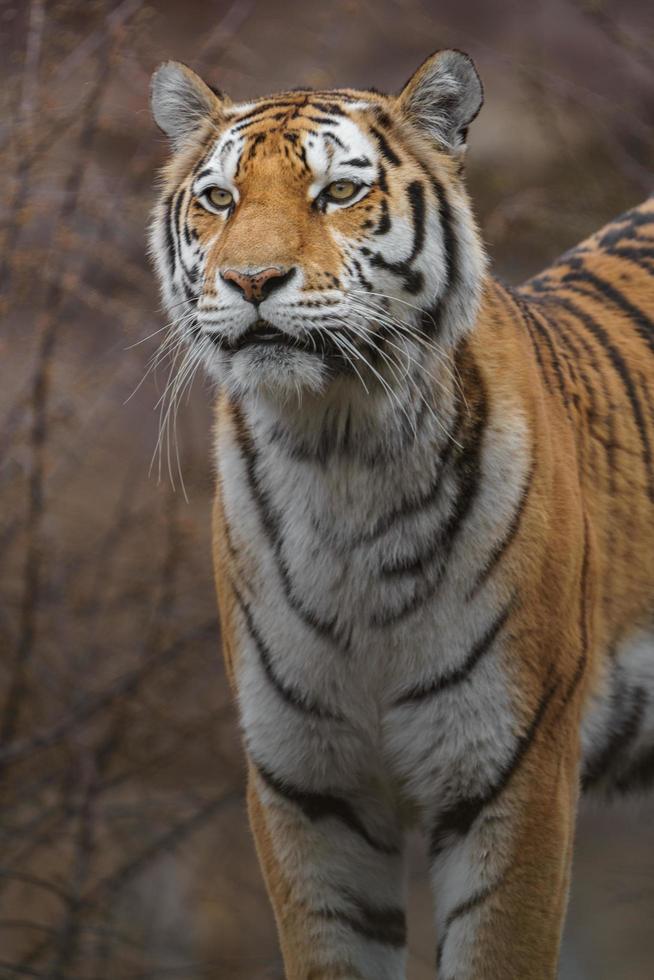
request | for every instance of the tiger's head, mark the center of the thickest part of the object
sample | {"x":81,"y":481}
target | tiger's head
{"x":314,"y":238}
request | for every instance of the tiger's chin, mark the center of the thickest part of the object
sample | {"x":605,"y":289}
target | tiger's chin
{"x":278,"y":373}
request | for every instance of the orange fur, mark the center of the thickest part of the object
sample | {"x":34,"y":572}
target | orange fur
{"x":571,"y":353}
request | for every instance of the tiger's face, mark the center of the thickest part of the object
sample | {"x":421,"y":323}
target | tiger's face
{"x":315,"y":236}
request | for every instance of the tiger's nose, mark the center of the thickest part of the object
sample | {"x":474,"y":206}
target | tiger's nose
{"x":256,"y":286}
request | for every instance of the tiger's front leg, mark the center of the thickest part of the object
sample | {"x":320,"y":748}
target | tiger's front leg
{"x":336,"y":884}
{"x":501,"y":863}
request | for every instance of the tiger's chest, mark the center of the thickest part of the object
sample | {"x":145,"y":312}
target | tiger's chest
{"x":354,"y":595}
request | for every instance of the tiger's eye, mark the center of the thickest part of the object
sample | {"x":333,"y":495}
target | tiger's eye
{"x":219,"y":197}
{"x":341,"y":190}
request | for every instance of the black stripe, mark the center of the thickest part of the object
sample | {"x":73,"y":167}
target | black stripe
{"x":327,"y":95}
{"x":170,"y":241}
{"x":647,"y":392}
{"x":332,"y":439}
{"x":431,"y":319}
{"x":384,"y":147}
{"x":229,"y":543}
{"x":381,"y":925}
{"x":190,"y":297}
{"x":265,"y":107}
{"x":256,"y":141}
{"x":538,"y":328}
{"x":320,"y":120}
{"x":357,"y":162}
{"x":561,"y":354}
{"x":328,"y":135}
{"x":260,"y":120}
{"x":458,"y":818}
{"x":624,"y":226}
{"x":330,"y":108}
{"x":464,"y":908}
{"x":624,"y":726}
{"x":387,"y":617}
{"x":384,"y":225}
{"x":289,"y":693}
{"x":642,"y":323}
{"x":593,"y":386}
{"x":507,"y":292}
{"x":323,"y":806}
{"x":575,"y":681}
{"x":643,"y":258}
{"x":569,"y":339}
{"x":299,"y":150}
{"x":416,"y":195}
{"x":461,"y":673}
{"x":277,"y":104}
{"x":507,"y":538}
{"x":413,"y":279}
{"x":302,"y":154}
{"x":325,"y":628}
{"x":188,"y":238}
{"x":574,"y":358}
{"x":193,"y":273}
{"x":441,"y":543}
{"x":360,"y":275}
{"x":619,"y":364}
{"x":175,"y":223}
{"x":584,"y":631}
{"x":431,"y":324}
{"x":382,"y":116}
{"x":207,"y":142}
{"x":449,"y":239}
{"x":412,"y":506}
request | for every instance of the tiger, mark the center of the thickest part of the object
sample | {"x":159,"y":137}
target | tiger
{"x":433,"y":524}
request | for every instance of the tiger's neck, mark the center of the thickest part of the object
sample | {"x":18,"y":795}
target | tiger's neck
{"x":358,"y":425}
{"x":408,"y":408}
{"x":362,"y":454}
{"x":333,"y":479}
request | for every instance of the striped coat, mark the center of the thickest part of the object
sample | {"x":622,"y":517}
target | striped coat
{"x":434,"y":521}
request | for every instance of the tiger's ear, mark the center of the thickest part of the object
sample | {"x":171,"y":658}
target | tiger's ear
{"x":443,"y":97}
{"x":180,"y":101}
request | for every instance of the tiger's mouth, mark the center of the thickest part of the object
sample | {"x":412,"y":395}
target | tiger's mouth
{"x":264,"y":333}
{"x":265,"y":336}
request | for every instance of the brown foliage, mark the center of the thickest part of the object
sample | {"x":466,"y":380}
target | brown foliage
{"x":123,"y":847}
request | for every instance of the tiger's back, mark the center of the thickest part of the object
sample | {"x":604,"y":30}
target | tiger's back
{"x":595,"y":308}
{"x":597,"y":303}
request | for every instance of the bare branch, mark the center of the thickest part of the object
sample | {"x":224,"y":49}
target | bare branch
{"x":91,"y":705}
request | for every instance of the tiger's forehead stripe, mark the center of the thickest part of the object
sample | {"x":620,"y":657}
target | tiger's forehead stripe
{"x":293,"y":107}
{"x":318,"y":130}
{"x":294,"y":103}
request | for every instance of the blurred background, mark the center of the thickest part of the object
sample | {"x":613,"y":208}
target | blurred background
{"x":124,"y":850}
